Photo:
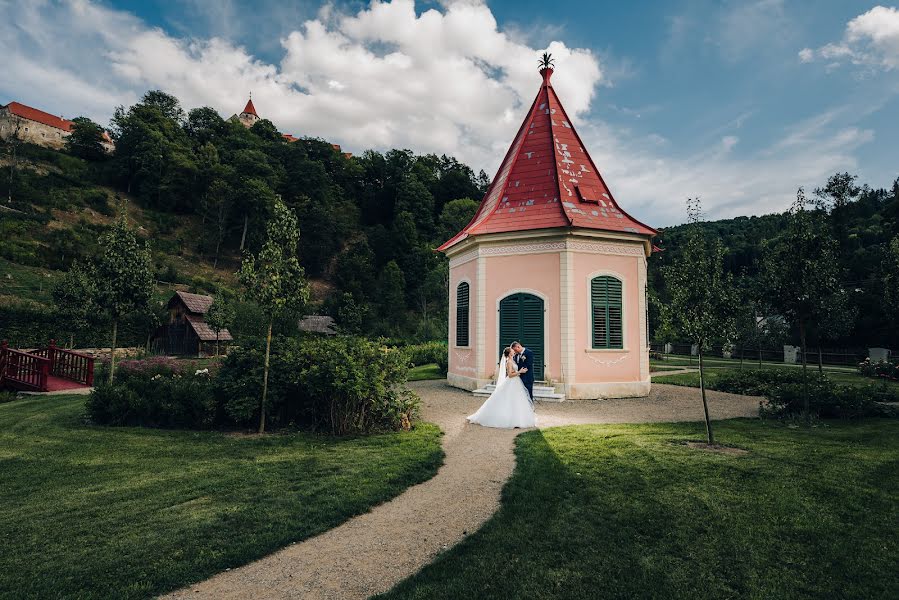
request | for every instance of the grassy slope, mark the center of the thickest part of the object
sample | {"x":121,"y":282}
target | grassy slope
{"x":95,"y":512}
{"x":622,"y":512}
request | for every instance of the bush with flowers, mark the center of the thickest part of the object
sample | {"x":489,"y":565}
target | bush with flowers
{"x":156,"y":392}
{"x":880,"y":369}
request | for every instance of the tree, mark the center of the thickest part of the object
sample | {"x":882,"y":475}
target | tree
{"x":801,"y":274}
{"x":455,"y":216}
{"x":216,"y":209}
{"x":74,"y":296}
{"x":391,"y":295}
{"x":220,"y":316}
{"x":274,"y":279}
{"x":86,"y":140}
{"x":123,"y":276}
{"x":702,"y":301}
{"x":890,"y":282}
{"x":351,"y":315}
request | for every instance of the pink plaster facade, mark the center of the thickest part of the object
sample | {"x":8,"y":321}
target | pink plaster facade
{"x":557,"y":268}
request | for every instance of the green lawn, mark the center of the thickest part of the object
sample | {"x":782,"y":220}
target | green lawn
{"x":94,"y":512}
{"x":625,"y":511}
{"x":423,"y":372}
{"x":844,"y":378}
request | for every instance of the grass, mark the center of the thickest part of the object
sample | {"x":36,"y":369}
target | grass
{"x":843,"y":378}
{"x":95,"y":512}
{"x":628,"y":511}
{"x":422,"y":372}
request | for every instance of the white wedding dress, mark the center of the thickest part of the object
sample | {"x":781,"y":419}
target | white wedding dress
{"x":508,"y":406}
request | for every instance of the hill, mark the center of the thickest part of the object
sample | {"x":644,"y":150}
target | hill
{"x":200,"y":188}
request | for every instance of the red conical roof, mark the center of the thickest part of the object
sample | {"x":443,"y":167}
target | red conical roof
{"x":250,"y":108}
{"x":548,"y":180}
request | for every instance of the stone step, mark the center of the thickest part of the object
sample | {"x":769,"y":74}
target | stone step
{"x":541,"y":392}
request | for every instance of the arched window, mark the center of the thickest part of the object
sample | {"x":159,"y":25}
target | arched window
{"x":462,"y":310}
{"x":605,"y":307}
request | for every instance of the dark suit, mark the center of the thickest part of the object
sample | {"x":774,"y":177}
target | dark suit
{"x":525,"y":360}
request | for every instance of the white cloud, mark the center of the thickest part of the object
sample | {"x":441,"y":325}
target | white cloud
{"x":445,"y":81}
{"x":448,"y":80}
{"x":871,"y":39}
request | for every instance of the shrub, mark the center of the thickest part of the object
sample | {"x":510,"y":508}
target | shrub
{"x":443,"y":362}
{"x":881,"y":369}
{"x":755,"y":382}
{"x":830,"y":401}
{"x":341,"y":385}
{"x":171,"y":401}
{"x":7,"y":396}
{"x":425,"y":354}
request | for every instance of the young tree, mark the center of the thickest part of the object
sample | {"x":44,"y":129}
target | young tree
{"x":74,"y":296}
{"x":86,"y":140}
{"x":801,"y":274}
{"x":220,"y":316}
{"x":702,"y":301}
{"x":123,"y":275}
{"x":275,"y":280}
{"x":890,"y":280}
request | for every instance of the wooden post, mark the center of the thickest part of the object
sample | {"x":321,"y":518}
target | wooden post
{"x":51,"y":355}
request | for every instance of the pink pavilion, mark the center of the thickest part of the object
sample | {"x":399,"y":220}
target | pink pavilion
{"x":551,"y":259}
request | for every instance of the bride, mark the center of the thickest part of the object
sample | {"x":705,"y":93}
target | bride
{"x":509,"y":405}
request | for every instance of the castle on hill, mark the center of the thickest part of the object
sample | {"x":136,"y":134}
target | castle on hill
{"x":32,"y":125}
{"x":35,"y":126}
{"x":249,"y":117}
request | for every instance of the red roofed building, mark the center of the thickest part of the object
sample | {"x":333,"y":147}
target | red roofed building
{"x":38,"y":127}
{"x":248,"y":117}
{"x":550,"y":259}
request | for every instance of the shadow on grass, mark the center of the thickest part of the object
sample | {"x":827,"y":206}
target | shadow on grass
{"x":620,"y":511}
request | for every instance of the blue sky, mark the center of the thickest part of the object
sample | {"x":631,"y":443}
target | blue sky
{"x":737,"y":102}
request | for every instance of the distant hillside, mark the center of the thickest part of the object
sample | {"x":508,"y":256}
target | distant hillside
{"x":864,"y":223}
{"x":200,"y":188}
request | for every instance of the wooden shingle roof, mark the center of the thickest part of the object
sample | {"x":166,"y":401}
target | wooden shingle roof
{"x":195,"y":303}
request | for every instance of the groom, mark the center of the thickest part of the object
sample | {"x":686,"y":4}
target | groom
{"x":524,"y":360}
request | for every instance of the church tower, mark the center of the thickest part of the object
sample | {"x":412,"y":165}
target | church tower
{"x":551,"y":260}
{"x":248,"y":117}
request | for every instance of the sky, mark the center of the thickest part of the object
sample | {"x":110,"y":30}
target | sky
{"x":738,"y":103}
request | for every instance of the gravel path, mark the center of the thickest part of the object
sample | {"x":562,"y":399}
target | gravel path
{"x":373,"y":552}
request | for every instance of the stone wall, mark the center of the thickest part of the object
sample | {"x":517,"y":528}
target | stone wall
{"x":31,"y":131}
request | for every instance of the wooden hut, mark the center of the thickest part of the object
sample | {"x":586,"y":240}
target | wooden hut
{"x":187,"y":332}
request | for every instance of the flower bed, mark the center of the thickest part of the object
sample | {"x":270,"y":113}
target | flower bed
{"x":879,"y":369}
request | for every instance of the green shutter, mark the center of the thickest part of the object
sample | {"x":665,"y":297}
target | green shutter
{"x":462,"y":312}
{"x":521,"y":318}
{"x":605,"y":306}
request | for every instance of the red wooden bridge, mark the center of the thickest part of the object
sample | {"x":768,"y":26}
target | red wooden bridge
{"x":47,"y":369}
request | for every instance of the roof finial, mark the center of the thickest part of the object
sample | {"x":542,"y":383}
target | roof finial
{"x":546,"y":63}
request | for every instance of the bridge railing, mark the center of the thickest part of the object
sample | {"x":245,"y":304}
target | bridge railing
{"x":68,"y":364}
{"x":24,"y":370}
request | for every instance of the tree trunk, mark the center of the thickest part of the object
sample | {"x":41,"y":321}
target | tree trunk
{"x":820,"y":361}
{"x":268,"y":345}
{"x":71,"y":341}
{"x":115,"y":330}
{"x":760,"y":356}
{"x":741,"y":358}
{"x":243,"y":236}
{"x":705,"y":404}
{"x":216,"y":344}
{"x":805,"y":402}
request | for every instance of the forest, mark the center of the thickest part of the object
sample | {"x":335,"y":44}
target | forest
{"x":201,"y":188}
